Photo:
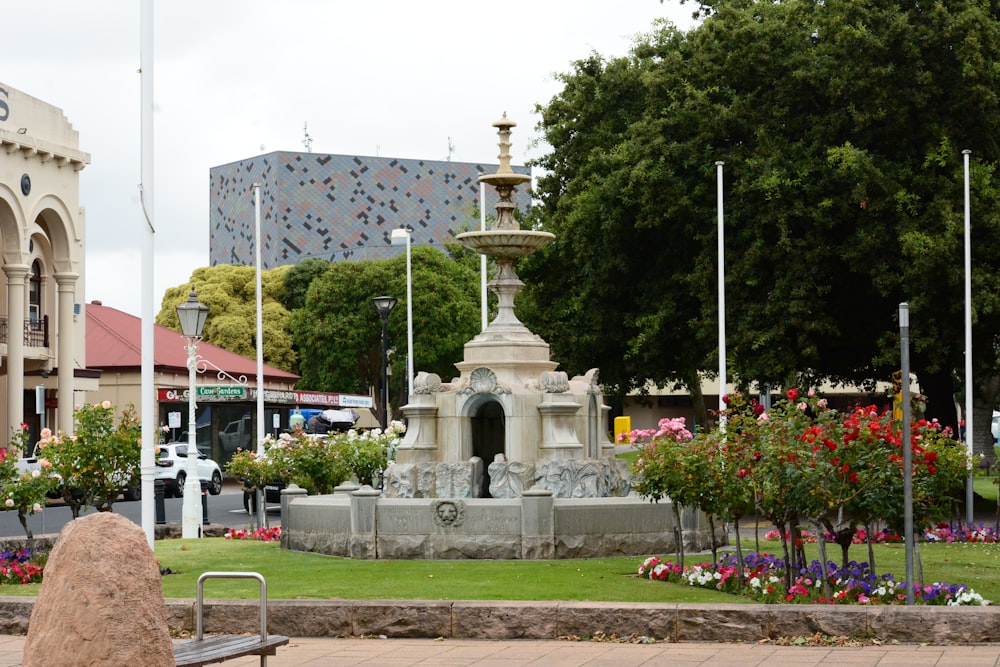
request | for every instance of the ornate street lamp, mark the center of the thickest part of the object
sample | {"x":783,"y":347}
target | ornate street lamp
{"x":192,"y":315}
{"x":384,"y":305}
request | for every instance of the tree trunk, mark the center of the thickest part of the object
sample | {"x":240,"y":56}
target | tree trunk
{"x":983,"y":404}
{"x":844,"y":537}
{"x":701,"y":419}
{"x":678,"y":534}
{"x":871,"y":549}
{"x":23,"y":518}
{"x":823,"y":561}
{"x":715,"y":548}
{"x":740,"y":579}
{"x":939,"y":388}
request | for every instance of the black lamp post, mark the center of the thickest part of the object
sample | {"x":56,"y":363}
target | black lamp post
{"x":384,"y":305}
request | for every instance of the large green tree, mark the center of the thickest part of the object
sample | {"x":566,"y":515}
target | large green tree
{"x":230,"y":292}
{"x":840,"y":125}
{"x":338,"y":332}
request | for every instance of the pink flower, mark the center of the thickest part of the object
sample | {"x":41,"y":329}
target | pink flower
{"x":9,"y":502}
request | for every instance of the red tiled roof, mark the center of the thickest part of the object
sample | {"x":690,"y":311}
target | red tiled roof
{"x":114,"y":342}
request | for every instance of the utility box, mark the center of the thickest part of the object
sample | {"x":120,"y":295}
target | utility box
{"x":622,"y":425}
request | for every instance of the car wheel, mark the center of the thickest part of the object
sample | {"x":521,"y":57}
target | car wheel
{"x":181,"y":479}
{"x":215,"y":488}
{"x":132,"y":493}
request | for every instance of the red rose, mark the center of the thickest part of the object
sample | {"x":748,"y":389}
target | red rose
{"x":792,"y":394}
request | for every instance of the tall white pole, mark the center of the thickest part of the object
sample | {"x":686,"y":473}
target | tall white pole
{"x":482,"y":259}
{"x":722,"y":300}
{"x":191,"y":509}
{"x":904,"y":367}
{"x":968,"y":343}
{"x":261,"y":499}
{"x":147,"y":454}
{"x":409,"y":317}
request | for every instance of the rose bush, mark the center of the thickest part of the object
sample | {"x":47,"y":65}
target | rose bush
{"x":802,"y":462}
{"x":100,"y":459}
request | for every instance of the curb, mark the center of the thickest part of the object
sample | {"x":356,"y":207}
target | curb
{"x":506,"y":620}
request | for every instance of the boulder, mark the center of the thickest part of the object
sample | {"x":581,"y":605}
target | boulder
{"x":101,"y":600}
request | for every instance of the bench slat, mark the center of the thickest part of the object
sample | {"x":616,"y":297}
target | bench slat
{"x":217,"y":648}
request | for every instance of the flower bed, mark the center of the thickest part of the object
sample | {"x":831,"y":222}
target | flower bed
{"x":765,"y":582}
{"x":21,"y":567}
{"x":272,"y":534}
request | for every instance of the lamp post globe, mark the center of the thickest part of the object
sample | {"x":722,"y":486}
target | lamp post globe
{"x":192,"y":315}
{"x":384,"y":305}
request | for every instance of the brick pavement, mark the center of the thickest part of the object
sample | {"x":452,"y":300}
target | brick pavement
{"x":314,"y":652}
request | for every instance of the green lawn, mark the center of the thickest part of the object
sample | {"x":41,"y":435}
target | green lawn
{"x":985,"y":487}
{"x":297,"y":575}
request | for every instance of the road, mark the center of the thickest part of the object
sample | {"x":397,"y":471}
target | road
{"x":225,"y":509}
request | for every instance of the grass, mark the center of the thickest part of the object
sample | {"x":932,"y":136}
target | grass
{"x":985,"y":487}
{"x":298,"y":575}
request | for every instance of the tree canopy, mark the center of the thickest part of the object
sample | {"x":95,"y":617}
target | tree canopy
{"x":338,"y":331}
{"x":840,"y":126}
{"x":230,"y":292}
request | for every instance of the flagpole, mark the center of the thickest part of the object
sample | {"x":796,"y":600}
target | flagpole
{"x":968,"y":344}
{"x":722,"y":301}
{"x":147,"y":453}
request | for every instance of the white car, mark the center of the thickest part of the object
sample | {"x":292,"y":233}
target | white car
{"x":172,"y":466}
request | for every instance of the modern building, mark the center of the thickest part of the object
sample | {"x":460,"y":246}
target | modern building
{"x":42,"y":229}
{"x":226,"y":404}
{"x":341,"y":207}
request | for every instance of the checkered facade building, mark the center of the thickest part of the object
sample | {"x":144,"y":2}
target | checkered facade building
{"x":341,"y":207}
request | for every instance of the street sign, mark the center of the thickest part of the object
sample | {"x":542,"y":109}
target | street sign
{"x":222,"y":391}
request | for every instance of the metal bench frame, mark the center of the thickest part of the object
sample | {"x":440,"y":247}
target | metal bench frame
{"x":217,"y":648}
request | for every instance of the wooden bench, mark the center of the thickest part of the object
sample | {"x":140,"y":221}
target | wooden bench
{"x":204,"y":650}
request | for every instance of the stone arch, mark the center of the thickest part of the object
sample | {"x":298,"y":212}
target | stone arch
{"x":54,"y":220}
{"x":12,"y":221}
{"x":486,"y":433}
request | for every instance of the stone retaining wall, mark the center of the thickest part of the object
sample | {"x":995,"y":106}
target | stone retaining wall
{"x":552,"y":620}
{"x":359,"y":523}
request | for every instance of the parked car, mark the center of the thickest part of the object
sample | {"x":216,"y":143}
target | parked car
{"x":237,"y":434}
{"x":171,"y":467}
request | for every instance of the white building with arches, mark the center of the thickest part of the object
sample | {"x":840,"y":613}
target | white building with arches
{"x":42,"y":233}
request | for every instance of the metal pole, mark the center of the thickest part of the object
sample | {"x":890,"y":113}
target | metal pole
{"x":147,"y":454}
{"x":262,"y":504}
{"x":482,"y":259}
{"x":722,"y":301}
{"x":385,"y":377}
{"x":968,"y":345}
{"x":191,"y":526}
{"x":904,"y":344}
{"x":409,"y":317}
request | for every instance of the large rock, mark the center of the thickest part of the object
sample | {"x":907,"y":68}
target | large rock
{"x":101,"y":600}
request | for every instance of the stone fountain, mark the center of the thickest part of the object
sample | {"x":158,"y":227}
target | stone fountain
{"x":508,"y":460}
{"x":510,"y":422}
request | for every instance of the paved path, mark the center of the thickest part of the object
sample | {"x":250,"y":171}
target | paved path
{"x":314,"y":652}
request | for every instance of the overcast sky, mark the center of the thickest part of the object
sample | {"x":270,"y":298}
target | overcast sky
{"x":235,"y":78}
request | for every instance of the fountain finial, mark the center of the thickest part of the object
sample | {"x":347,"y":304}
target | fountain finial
{"x":503,"y":129}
